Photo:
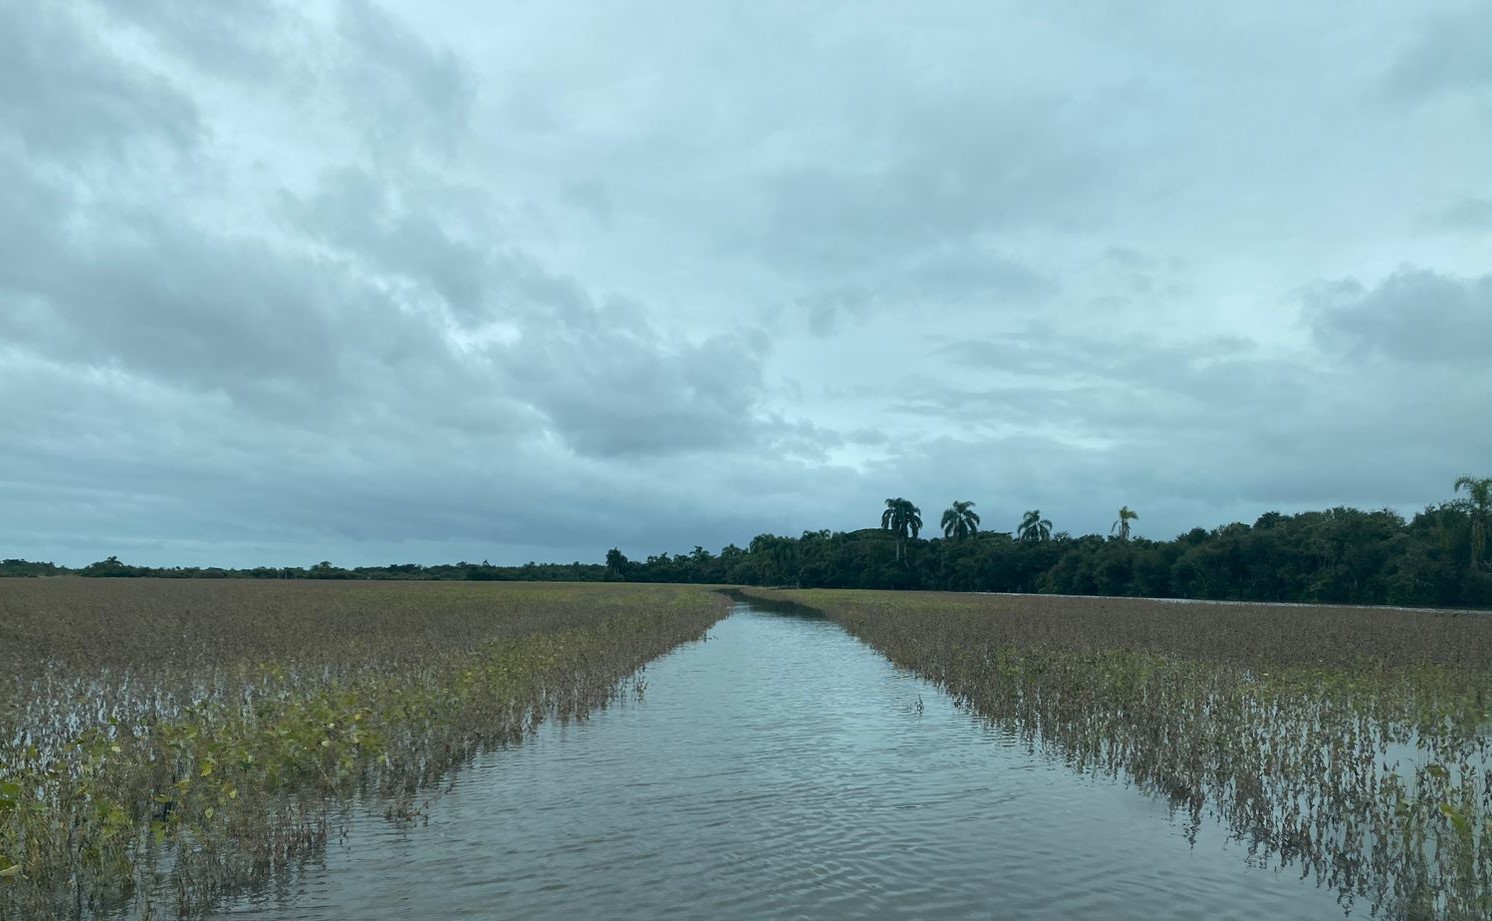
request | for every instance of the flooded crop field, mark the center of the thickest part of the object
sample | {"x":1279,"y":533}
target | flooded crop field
{"x":164,"y":744}
{"x":302,"y":751}
{"x":1353,"y":745}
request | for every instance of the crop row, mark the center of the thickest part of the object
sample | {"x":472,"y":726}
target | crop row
{"x":1367,"y":763}
{"x":165,"y":782}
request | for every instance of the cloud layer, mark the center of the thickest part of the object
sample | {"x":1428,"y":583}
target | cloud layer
{"x":374,"y":281}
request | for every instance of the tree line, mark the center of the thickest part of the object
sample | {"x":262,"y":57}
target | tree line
{"x":484,"y":571}
{"x":1337,"y":556}
{"x":1438,"y":558}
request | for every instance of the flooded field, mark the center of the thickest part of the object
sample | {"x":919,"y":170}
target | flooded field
{"x":164,"y":744}
{"x":306,"y":752}
{"x":780,"y":770}
{"x":1351,"y":745}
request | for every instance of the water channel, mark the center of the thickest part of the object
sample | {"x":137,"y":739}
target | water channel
{"x":783,"y":770}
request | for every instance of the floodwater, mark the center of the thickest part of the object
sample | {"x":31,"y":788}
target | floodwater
{"x":783,"y":770}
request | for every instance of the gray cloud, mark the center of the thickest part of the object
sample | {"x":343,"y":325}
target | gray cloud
{"x":1449,"y":54}
{"x":368,"y":281}
{"x":243,"y":38}
{"x":590,"y":197}
{"x":611,"y":385}
{"x":944,"y":173}
{"x":1470,"y":215}
{"x":64,"y":95}
{"x":1414,"y":315}
{"x":399,"y":89}
{"x":932,"y":281}
{"x":373,"y":220}
{"x":165,"y":299}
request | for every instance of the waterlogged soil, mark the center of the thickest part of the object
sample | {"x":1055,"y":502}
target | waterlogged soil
{"x":782,"y":769}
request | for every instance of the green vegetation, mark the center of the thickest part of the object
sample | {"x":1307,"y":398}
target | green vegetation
{"x":198,"y":737}
{"x":1034,"y":529}
{"x":1350,"y":743}
{"x":902,"y":519}
{"x":1338,"y":556}
{"x":960,"y":520}
{"x":113,"y":567}
{"x":1478,"y":507}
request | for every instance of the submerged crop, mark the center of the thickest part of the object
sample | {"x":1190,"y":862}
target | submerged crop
{"x":199,"y":738}
{"x":1354,"y":745}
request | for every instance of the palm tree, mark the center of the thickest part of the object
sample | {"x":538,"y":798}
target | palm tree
{"x":1034,"y":529}
{"x":901,"y":517}
{"x":1122,"y":525}
{"x":1478,"y":503}
{"x":960,"y":520}
{"x":616,"y":564}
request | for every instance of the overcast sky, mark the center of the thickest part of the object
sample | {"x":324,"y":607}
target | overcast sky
{"x":416,"y":281}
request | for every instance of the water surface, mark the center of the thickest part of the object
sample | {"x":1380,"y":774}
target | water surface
{"x":783,"y":770}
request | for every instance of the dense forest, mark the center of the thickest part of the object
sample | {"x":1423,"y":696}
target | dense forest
{"x":1340,"y":556}
{"x":1337,"y":556}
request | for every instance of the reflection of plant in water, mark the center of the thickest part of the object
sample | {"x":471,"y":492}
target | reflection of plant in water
{"x":1374,"y":777}
{"x":224,"y":765}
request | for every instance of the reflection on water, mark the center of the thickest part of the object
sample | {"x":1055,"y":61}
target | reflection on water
{"x":784,"y":770}
{"x":1374,"y":779}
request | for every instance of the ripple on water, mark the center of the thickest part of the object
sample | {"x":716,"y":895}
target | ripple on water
{"x":783,"y":770}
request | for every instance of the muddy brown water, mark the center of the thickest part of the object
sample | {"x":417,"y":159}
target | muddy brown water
{"x":783,"y":770}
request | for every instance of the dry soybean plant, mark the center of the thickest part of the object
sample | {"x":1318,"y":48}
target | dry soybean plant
{"x":200,"y":737}
{"x":1353,"y":744}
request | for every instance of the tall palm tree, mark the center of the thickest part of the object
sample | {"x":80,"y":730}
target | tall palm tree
{"x":1478,"y":503}
{"x":615,"y":563}
{"x":1034,"y":529}
{"x":960,"y":520}
{"x":900,"y":518}
{"x":1122,"y":525}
